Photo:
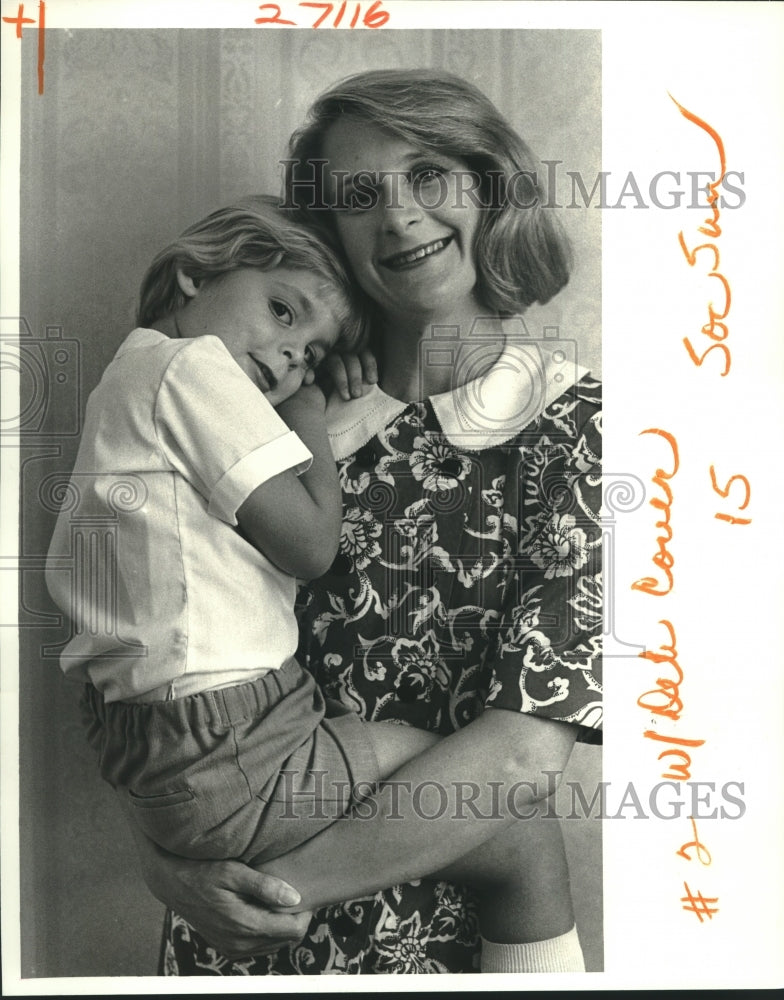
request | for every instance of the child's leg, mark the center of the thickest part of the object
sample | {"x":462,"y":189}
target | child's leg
{"x":396,"y":745}
{"x":521,"y":879}
{"x":520,"y":874}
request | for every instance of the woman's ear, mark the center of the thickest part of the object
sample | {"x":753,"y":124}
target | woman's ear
{"x":188,"y":286}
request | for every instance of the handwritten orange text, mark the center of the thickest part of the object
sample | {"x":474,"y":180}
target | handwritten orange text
{"x":680,"y":772}
{"x":373,"y":17}
{"x":692,"y":902}
{"x":702,"y":854}
{"x":664,"y":699}
{"x":716,"y":329}
{"x":698,"y":904}
{"x":21,"y":20}
{"x":726,"y":492}
{"x":662,"y":558}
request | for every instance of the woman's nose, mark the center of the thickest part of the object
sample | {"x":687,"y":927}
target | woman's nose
{"x":400,"y":208}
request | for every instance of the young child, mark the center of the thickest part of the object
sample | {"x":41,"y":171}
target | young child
{"x":208,"y":419}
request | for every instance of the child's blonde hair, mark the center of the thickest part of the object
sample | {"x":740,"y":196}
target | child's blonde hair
{"x":254,"y":232}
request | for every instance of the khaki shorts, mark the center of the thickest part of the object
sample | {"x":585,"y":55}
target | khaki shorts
{"x":244,"y":772}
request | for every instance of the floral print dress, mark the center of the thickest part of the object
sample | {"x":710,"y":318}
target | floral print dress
{"x":468,"y":576}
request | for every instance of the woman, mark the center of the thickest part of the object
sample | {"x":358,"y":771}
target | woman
{"x":469,"y":570}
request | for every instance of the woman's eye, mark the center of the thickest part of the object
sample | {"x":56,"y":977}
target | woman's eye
{"x":427,"y":173}
{"x":312,"y":357}
{"x":281,"y":311}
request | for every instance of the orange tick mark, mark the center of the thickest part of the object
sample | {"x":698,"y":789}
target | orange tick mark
{"x":20,"y":20}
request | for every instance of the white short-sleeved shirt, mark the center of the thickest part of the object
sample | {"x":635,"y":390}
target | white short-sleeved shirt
{"x":146,"y":557}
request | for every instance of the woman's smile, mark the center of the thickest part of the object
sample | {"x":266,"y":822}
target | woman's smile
{"x":412,"y":258}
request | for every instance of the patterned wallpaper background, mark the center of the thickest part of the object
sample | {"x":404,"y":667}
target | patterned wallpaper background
{"x":141,"y":132}
{"x":138,"y":134}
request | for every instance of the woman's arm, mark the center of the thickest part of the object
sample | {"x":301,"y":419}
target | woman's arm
{"x":295,"y":520}
{"x":502,"y":762}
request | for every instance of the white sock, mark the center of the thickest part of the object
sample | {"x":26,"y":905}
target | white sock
{"x":558,"y":954}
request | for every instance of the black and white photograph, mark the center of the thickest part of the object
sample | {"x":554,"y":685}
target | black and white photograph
{"x":400,"y":672}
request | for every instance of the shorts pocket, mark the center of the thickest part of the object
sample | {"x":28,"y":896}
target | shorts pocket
{"x":160,"y":801}
{"x":172,"y":819}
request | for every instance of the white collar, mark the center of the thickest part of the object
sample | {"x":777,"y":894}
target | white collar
{"x":530,"y":374}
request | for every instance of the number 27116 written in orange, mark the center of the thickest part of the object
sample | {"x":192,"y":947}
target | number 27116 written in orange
{"x":333,"y":15}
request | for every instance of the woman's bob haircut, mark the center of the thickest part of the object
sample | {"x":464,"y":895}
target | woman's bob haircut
{"x":521,"y":252}
{"x":254,"y":232}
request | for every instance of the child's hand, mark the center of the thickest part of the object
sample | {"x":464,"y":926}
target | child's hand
{"x":352,"y":374}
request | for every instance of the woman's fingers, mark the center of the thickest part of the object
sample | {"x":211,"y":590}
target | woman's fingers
{"x":249,"y":930}
{"x":266,"y":889}
{"x":227,"y":903}
{"x":261,"y":935}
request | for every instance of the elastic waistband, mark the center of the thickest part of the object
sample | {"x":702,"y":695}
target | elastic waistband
{"x":165,"y":692}
{"x":219,"y":706}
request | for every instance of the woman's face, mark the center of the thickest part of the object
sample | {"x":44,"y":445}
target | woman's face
{"x":409,"y":227}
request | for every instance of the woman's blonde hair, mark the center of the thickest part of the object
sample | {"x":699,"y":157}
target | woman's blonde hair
{"x":521,"y":253}
{"x":257,"y":233}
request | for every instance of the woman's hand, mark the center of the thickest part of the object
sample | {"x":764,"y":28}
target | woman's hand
{"x":352,"y":374}
{"x":226,"y":902}
{"x":230,"y":905}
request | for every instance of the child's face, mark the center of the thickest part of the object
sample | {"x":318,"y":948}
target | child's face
{"x":277,"y":325}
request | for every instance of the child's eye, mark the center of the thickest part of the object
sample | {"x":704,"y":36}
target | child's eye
{"x":281,"y":311}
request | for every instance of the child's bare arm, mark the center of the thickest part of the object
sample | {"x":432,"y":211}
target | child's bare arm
{"x":295,"y":520}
